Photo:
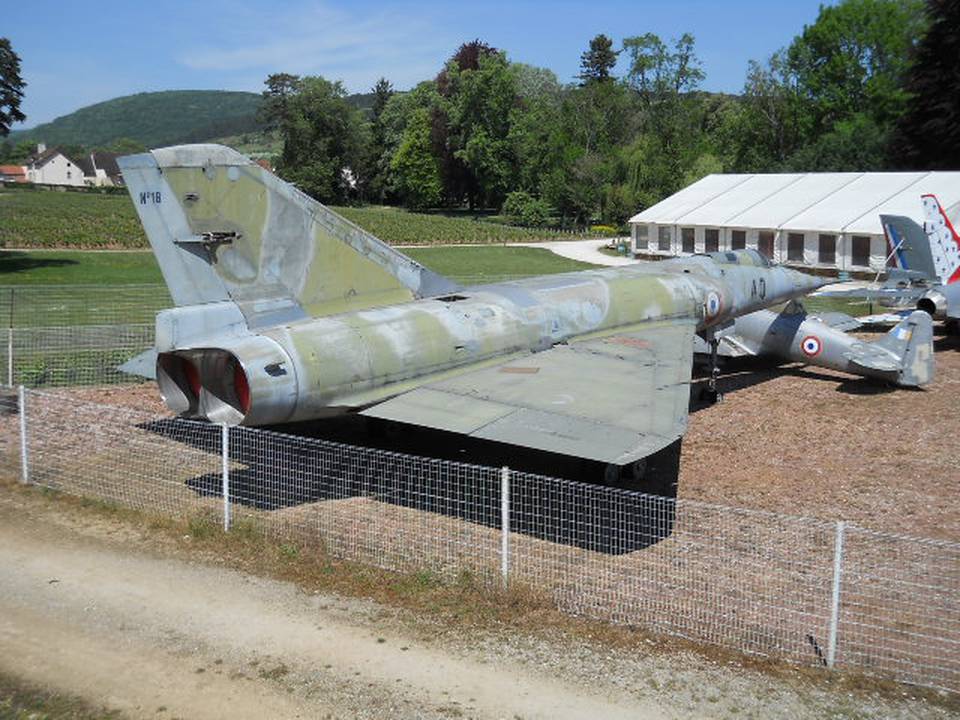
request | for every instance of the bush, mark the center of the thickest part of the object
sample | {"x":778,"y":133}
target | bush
{"x":604,"y":230}
{"x":525,"y":210}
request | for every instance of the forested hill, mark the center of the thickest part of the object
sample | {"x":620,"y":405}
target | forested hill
{"x":153,"y":119}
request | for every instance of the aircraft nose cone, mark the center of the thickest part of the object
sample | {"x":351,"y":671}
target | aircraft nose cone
{"x":807,"y":282}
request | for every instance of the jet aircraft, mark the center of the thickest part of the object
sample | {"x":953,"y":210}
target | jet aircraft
{"x":904,"y":356}
{"x":286,"y":311}
{"x":926,"y":275}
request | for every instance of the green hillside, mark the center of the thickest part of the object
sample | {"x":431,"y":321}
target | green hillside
{"x":154,"y":119}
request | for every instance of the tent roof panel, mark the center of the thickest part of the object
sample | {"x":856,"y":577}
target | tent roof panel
{"x":862,"y":196}
{"x":668,"y":210}
{"x":792,"y":200}
{"x":945,"y":185}
{"x":738,"y":199}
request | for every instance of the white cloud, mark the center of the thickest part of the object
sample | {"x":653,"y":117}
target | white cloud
{"x":356,"y":47}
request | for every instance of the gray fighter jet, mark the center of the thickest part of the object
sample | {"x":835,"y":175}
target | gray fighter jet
{"x":285,"y":311}
{"x":904,"y":356}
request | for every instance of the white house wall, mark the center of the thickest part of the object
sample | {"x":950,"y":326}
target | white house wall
{"x":59,"y":170}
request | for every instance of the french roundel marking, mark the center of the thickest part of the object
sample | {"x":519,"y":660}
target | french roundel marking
{"x":811,"y":346}
{"x":713,"y":304}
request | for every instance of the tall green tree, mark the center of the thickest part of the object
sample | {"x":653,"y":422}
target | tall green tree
{"x":416,"y":171}
{"x":281,"y":88}
{"x":853,"y":59}
{"x":598,"y":60}
{"x":324,"y":142}
{"x":928,"y":133}
{"x":11,"y":88}
{"x":377,"y":170}
{"x":471,"y":124}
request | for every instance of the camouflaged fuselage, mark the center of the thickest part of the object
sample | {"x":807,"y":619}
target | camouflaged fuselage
{"x":354,"y":359}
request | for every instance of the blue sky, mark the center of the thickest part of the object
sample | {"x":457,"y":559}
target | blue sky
{"x":75,"y":54}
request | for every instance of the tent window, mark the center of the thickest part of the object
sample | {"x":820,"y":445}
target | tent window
{"x":765,"y":244}
{"x":738,"y":240}
{"x":828,"y":250}
{"x":664,"y":239}
{"x":686,"y":238}
{"x":860,"y":251}
{"x":795,"y":247}
{"x":643,"y":237}
{"x":711,"y":240}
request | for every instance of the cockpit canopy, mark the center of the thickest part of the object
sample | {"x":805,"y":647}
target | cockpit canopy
{"x":740,"y":257}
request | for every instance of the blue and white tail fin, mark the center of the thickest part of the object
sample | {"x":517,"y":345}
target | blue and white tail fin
{"x":909,"y":247}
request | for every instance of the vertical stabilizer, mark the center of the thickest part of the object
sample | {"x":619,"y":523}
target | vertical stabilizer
{"x":909,"y":246}
{"x":911,"y":343}
{"x":944,"y":241}
{"x":224,"y":228}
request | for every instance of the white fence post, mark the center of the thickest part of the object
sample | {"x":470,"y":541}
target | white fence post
{"x":225,"y":473}
{"x":24,"y":460}
{"x":505,"y":524}
{"x":835,"y":601}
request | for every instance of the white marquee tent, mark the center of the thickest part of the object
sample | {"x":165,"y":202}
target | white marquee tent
{"x":825,"y":220}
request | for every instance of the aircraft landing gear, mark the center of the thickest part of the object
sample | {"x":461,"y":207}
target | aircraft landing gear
{"x":710,"y":394}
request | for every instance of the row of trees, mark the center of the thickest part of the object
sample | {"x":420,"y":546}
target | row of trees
{"x":853,"y":91}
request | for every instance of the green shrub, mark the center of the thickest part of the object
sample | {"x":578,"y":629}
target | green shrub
{"x":525,"y":210}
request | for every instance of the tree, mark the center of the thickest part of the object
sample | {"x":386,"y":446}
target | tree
{"x":382,"y":92}
{"x":416,"y":172}
{"x":11,"y":88}
{"x":841,"y":79}
{"x":376,"y":169}
{"x":854,"y":59}
{"x":597,"y":62}
{"x":928,"y":134}
{"x":325,"y":142}
{"x":281,"y":87}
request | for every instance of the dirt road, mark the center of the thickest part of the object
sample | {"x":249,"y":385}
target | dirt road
{"x":87,"y":608}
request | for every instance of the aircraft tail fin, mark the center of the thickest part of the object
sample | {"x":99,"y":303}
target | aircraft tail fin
{"x":908,"y":245}
{"x":223,"y":228}
{"x":909,"y":351}
{"x":944,"y":240}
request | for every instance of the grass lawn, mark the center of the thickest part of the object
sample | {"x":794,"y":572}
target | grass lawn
{"x":77,"y":267}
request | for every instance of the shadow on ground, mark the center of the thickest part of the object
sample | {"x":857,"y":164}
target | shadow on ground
{"x":12,"y":262}
{"x":272,"y":471}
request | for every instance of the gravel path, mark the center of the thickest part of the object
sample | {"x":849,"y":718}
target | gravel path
{"x":583,"y":250}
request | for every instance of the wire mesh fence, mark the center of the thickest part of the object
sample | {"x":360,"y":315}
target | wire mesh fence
{"x":798,"y":589}
{"x":32,"y":306}
{"x":75,"y":334}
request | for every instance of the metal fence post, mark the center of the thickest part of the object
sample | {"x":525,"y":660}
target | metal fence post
{"x":24,"y":460}
{"x":225,"y":473}
{"x":835,"y":601}
{"x":505,"y":524}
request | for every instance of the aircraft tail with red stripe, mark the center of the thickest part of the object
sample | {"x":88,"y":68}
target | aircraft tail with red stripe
{"x":944,"y":240}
